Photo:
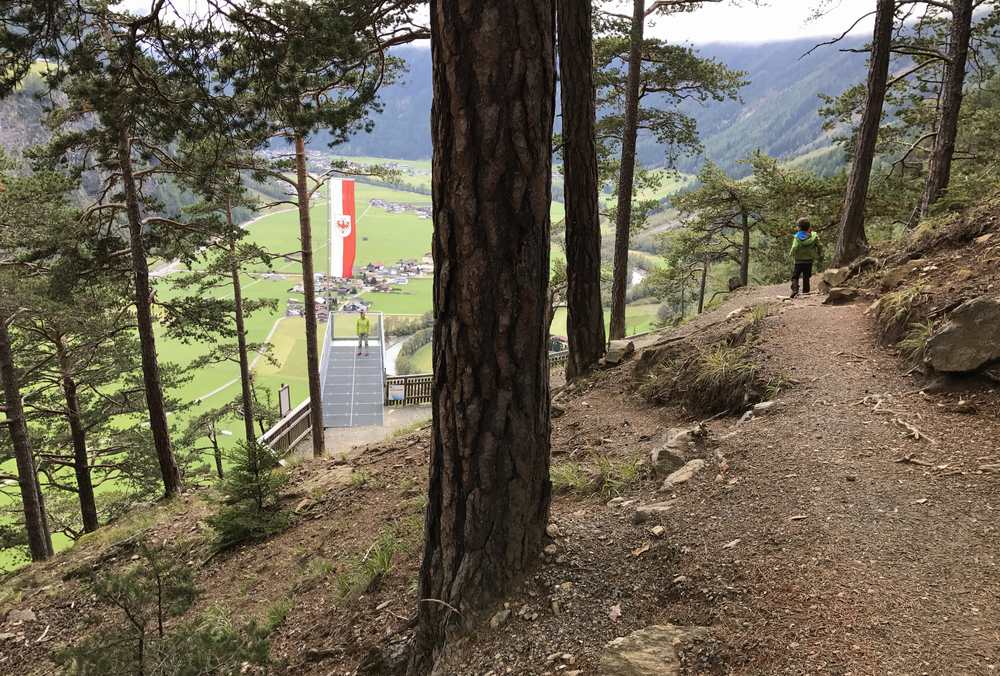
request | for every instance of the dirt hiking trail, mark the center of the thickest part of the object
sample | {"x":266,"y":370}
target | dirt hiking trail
{"x":852,"y":561}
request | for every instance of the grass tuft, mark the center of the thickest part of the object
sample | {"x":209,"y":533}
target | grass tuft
{"x":895,"y":312}
{"x":608,"y":476}
{"x":913,"y":346}
{"x":571,"y":478}
{"x":365,"y":574}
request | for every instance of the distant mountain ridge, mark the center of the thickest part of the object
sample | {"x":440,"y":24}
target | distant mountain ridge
{"x":778,"y":112}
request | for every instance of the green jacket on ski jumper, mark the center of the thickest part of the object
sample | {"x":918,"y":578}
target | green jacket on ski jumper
{"x":804,"y":250}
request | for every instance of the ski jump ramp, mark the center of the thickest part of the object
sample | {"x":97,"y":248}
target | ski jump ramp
{"x":353,"y":383}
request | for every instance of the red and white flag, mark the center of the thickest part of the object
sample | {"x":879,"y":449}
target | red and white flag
{"x":343,"y":227}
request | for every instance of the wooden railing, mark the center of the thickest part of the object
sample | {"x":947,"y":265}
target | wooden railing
{"x":408,"y":390}
{"x":289,"y":431}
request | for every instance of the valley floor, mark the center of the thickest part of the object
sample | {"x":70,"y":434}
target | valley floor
{"x":821,"y":537}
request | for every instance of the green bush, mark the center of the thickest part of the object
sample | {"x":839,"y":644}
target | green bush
{"x":252,"y":488}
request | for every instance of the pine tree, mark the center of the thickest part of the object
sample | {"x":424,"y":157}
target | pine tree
{"x":952,"y":92}
{"x":661,"y":75}
{"x":852,"y":241}
{"x":35,"y":522}
{"x":328,"y":78}
{"x":583,"y":218}
{"x":489,"y":494}
{"x":127,"y":85}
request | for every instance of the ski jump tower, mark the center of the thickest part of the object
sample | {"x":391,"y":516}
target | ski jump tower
{"x":343,"y":227}
{"x":353,"y":382}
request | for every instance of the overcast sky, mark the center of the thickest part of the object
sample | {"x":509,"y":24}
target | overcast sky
{"x":778,"y":20}
{"x":723,"y":22}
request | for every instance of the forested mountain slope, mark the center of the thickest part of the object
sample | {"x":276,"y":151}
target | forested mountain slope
{"x":778,"y":112}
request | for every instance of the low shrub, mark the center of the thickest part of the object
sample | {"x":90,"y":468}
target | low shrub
{"x":252,"y":488}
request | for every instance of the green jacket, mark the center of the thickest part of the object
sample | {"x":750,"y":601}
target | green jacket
{"x":363,"y":326}
{"x":805,"y":249}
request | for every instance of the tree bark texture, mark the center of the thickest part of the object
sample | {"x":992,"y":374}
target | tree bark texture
{"x":745,"y":251}
{"x":34,"y":513}
{"x":144,"y":323}
{"x":852,"y":241}
{"x":309,"y":291}
{"x":213,"y":438}
{"x":246,"y":385}
{"x":626,"y":176}
{"x":702,"y":286}
{"x":78,"y":435}
{"x":585,"y":325}
{"x":939,"y":171}
{"x":489,"y":492}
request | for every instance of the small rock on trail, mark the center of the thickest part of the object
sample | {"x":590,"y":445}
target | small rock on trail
{"x":684,"y":474}
{"x":652,"y":651}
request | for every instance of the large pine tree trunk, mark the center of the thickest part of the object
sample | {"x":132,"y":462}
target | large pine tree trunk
{"x":34,"y":512}
{"x":309,"y":291}
{"x":144,"y":323}
{"x":702,"y":286}
{"x":246,"y":386}
{"x":583,"y":220}
{"x":745,"y":252}
{"x":78,"y":435}
{"x":489,"y":493}
{"x":626,"y":176}
{"x":853,"y":242}
{"x":939,"y":173}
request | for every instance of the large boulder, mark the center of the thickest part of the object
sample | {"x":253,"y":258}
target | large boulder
{"x":832,"y":278}
{"x":653,"y":651}
{"x":899,"y":274}
{"x":619,"y":351}
{"x":841,"y":296}
{"x":969,"y":340}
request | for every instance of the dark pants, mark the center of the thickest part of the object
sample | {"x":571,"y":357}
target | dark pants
{"x":803,"y":269}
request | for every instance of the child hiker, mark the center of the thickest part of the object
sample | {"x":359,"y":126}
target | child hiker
{"x":363,"y":326}
{"x":805,"y":251}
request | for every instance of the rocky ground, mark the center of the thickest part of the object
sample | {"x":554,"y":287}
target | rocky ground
{"x":849,"y":527}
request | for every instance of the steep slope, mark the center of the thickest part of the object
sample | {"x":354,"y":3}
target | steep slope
{"x":846,"y":529}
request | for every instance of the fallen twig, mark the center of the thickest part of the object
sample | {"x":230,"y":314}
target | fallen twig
{"x":914,"y":431}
